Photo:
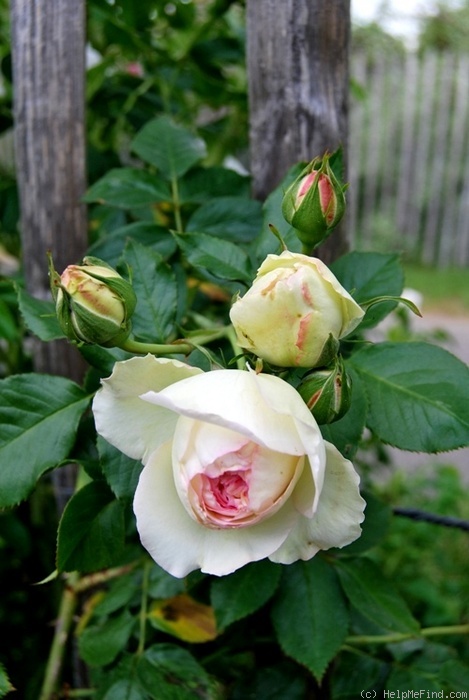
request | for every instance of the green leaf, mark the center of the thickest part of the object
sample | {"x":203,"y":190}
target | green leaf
{"x":156,"y":288}
{"x":374,"y":528}
{"x":157,"y":238}
{"x":163,"y":585}
{"x":370,"y":275}
{"x":235,"y":219}
{"x":39,"y":316}
{"x":39,"y":416}
{"x":8,"y":326}
{"x":169,"y":147}
{"x":281,"y":682}
{"x":5,"y":685}
{"x":119,"y":594}
{"x":204,"y":184}
{"x":454,"y":675}
{"x":120,"y":471}
{"x":168,"y":672}
{"x":127,"y":188}
{"x":417,"y":395}
{"x":91,"y":531}
{"x":220,"y":258}
{"x":374,"y":596}
{"x":401,"y":679}
{"x":345,"y":433}
{"x":267,"y":242}
{"x":103,"y":359}
{"x":100,"y":644}
{"x":309,"y":614}
{"x":355,"y":673}
{"x":243,"y":592}
{"x":125,"y":689}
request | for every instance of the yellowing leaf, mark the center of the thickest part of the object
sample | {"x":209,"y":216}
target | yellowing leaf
{"x":184,"y":618}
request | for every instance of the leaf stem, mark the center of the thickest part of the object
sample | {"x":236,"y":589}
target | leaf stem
{"x":402,"y":636}
{"x":62,"y":629}
{"x":135,"y":346}
{"x":100,"y":577}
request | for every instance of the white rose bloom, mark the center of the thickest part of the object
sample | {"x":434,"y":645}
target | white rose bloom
{"x":235,"y":467}
{"x":292,"y":308}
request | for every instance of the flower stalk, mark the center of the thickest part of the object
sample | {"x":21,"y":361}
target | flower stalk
{"x":139,"y":348}
{"x":365,"y":639}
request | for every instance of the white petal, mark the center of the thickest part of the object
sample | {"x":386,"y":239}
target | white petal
{"x":336,"y":522}
{"x":180,"y":545}
{"x":262,"y":407}
{"x":200,"y":447}
{"x":352,"y":312}
{"x":134,"y":426}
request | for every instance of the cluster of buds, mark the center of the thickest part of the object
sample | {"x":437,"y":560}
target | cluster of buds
{"x":315,"y":203}
{"x":93,"y":302}
{"x":327,"y":392}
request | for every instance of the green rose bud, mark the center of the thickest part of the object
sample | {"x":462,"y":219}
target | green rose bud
{"x":327,"y":392}
{"x":315,"y":202}
{"x":93,"y":302}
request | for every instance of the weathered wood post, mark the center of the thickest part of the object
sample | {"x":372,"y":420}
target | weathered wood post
{"x":48,"y":44}
{"x":298,"y":66}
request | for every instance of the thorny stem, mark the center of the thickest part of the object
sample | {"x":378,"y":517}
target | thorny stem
{"x":401,"y":636}
{"x":73,"y":587}
{"x":62,"y":629}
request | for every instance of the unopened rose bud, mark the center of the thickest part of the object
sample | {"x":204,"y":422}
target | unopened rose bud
{"x":295,"y":312}
{"x":327,"y":392}
{"x":315,"y":202}
{"x":93,"y":302}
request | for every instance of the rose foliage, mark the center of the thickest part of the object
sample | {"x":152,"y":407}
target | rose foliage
{"x":222,"y":505}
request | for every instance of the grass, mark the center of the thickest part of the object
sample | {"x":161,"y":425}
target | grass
{"x":445,"y":290}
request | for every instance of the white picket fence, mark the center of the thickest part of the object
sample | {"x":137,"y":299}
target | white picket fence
{"x":409,"y":156}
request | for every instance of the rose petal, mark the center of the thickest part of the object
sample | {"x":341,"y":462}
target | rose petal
{"x":336,"y":522}
{"x":134,"y":426}
{"x":260,"y":406}
{"x":353,"y":313}
{"x":271,"y":476}
{"x":180,"y":545}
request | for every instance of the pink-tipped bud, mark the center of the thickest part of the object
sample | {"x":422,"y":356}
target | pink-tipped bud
{"x":315,"y":203}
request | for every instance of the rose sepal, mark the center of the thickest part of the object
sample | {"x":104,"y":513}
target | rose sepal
{"x":327,"y":392}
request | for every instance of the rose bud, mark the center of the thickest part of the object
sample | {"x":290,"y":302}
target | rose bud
{"x":315,"y":202}
{"x":295,"y":313}
{"x":93,"y":302}
{"x":327,"y":392}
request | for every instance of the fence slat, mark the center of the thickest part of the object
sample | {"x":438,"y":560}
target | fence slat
{"x":409,"y":153}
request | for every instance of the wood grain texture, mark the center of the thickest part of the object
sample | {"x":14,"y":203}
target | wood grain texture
{"x":298,"y":66}
{"x":48,"y":40}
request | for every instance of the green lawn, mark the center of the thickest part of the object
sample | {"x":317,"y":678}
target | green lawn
{"x":444,"y":290}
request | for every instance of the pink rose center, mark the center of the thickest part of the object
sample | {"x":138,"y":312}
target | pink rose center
{"x":227,"y":493}
{"x":222,"y":488}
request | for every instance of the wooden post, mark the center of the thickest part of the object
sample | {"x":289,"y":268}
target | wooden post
{"x":298,"y":67}
{"x":48,"y":44}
